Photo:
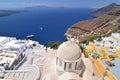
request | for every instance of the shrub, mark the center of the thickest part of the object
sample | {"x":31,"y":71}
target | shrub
{"x":54,"y":44}
{"x":111,"y":57}
{"x":86,"y":55}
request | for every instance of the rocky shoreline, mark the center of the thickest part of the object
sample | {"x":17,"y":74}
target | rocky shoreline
{"x":7,"y":12}
{"x":98,"y":27}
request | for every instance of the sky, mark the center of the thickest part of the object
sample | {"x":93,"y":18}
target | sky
{"x":56,"y":3}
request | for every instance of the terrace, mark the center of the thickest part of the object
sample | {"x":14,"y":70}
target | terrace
{"x":3,"y":40}
{"x":14,"y":45}
{"x":110,"y":53}
{"x":12,"y":50}
{"x":26,"y":73}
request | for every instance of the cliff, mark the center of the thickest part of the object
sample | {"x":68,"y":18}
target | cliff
{"x":95,"y":28}
{"x":105,"y":9}
{"x":7,"y":12}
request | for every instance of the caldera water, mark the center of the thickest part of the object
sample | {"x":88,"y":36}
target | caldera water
{"x":47,"y":24}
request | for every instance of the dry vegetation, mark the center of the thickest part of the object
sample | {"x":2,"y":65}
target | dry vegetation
{"x":100,"y":26}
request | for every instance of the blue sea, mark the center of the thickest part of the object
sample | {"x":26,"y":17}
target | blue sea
{"x":47,"y":24}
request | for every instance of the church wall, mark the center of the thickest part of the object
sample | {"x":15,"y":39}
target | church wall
{"x":82,"y":68}
{"x":58,"y":62}
{"x":70,"y":66}
{"x":67,"y":66}
{"x":78,"y":64}
{"x":62,"y":64}
{"x":77,"y":67}
{"x":73,"y":65}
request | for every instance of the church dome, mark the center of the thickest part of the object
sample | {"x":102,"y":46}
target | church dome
{"x":69,"y":51}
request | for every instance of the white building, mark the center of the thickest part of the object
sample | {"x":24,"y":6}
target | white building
{"x":69,"y":58}
{"x":12,"y":52}
{"x":68,"y":63}
{"x":4,"y":40}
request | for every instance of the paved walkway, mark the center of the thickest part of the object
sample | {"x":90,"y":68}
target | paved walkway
{"x":26,"y":73}
{"x":50,"y":65}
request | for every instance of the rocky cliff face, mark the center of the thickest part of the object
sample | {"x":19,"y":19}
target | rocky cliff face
{"x":101,"y":26}
{"x":105,"y":9}
{"x":7,"y":12}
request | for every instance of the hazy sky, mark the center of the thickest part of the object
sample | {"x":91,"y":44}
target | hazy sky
{"x":66,"y":3}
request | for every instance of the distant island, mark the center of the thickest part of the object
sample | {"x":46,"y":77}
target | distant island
{"x":7,"y":12}
{"x":107,"y":21}
{"x":45,"y":6}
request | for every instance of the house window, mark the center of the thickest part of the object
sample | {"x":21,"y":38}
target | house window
{"x":75,"y":65}
{"x":70,"y":66}
{"x":64,"y":66}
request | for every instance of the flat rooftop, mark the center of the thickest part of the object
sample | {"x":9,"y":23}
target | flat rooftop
{"x":2,"y":38}
{"x":14,"y":43}
{"x":10,"y":49}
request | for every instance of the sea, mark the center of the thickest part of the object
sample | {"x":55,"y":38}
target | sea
{"x":47,"y":24}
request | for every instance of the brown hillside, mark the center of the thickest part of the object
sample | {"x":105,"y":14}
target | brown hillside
{"x":100,"y":26}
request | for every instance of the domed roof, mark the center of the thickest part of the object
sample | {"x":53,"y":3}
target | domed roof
{"x":69,"y":76}
{"x":69,"y":51}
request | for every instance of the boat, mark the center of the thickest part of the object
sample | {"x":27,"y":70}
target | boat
{"x":41,"y":28}
{"x":30,"y":36}
{"x":109,"y":63}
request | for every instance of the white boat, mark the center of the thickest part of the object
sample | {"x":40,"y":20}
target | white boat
{"x":30,"y":36}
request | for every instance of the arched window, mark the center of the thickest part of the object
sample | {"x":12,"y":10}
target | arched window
{"x":65,"y":66}
{"x":70,"y":65}
{"x":75,"y":65}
